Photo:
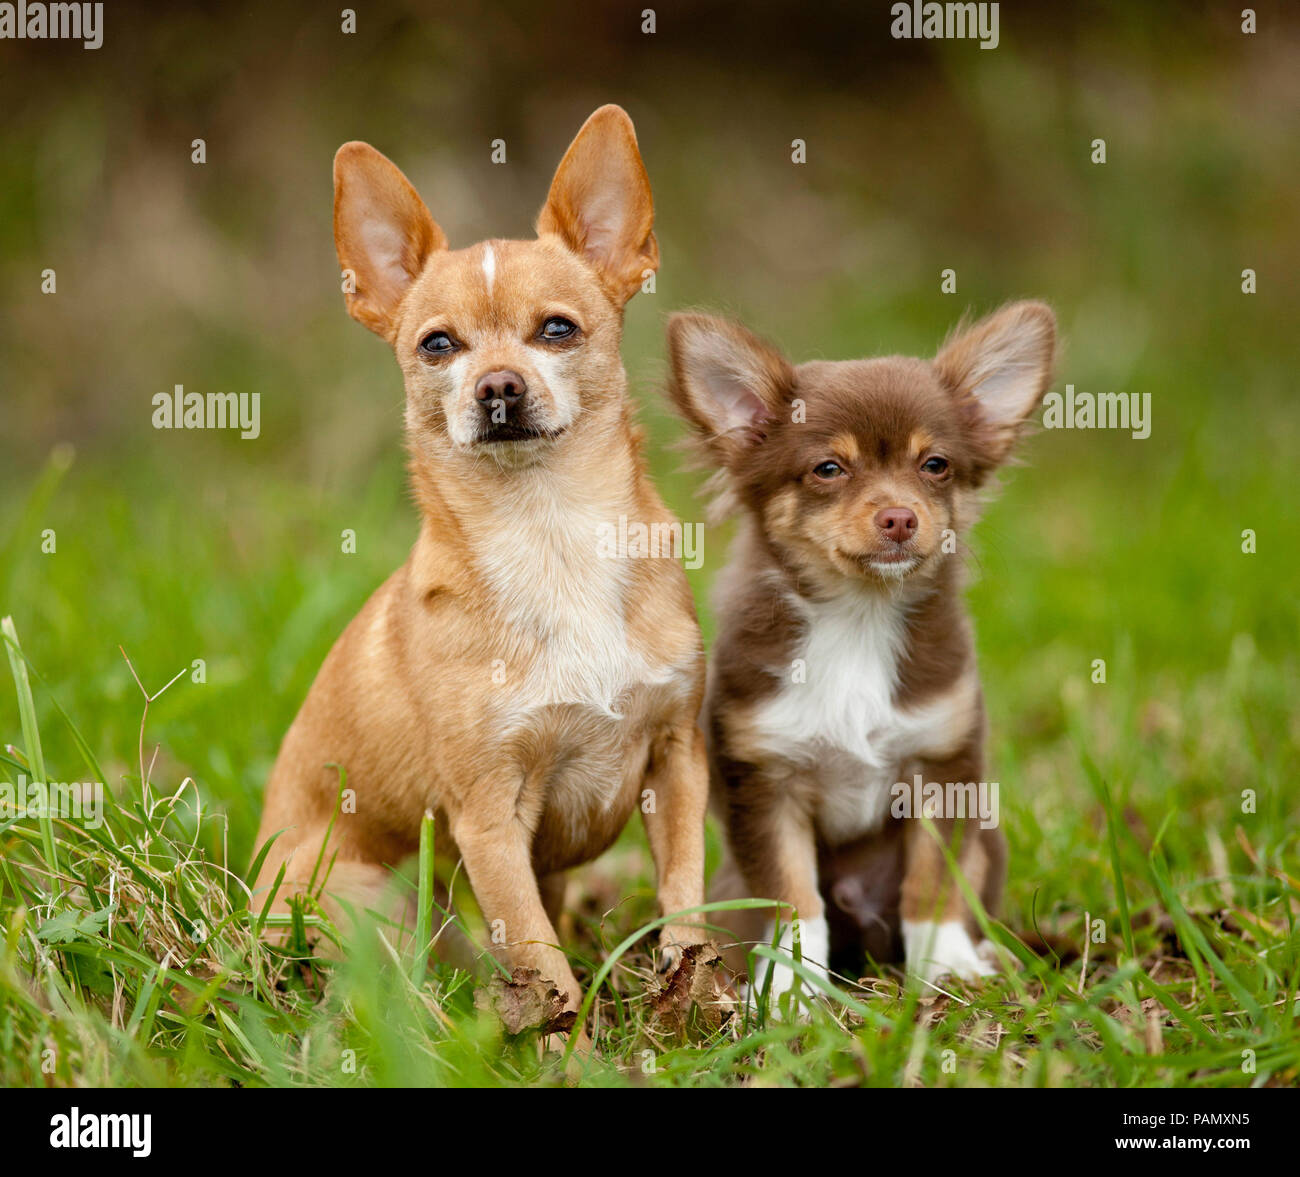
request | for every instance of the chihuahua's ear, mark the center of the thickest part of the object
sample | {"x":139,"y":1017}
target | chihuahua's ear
{"x":999,"y":369}
{"x":383,"y":234}
{"x":600,"y":204}
{"x":726,"y":381}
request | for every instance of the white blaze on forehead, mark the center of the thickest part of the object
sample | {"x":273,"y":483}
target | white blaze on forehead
{"x":489,"y":266}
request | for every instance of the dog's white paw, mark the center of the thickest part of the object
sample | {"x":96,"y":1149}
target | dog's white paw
{"x":814,"y":947}
{"x":936,"y":949}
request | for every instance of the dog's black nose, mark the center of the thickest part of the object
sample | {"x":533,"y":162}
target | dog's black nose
{"x":897,"y":523}
{"x":502,"y":385}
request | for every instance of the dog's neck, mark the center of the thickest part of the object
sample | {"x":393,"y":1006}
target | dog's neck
{"x":482,"y":519}
{"x":521,"y":547}
{"x":921,"y":623}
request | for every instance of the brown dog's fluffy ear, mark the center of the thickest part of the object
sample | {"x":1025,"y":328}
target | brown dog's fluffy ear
{"x":999,"y":370}
{"x":600,"y":204}
{"x":383,"y":234}
{"x":726,"y":381}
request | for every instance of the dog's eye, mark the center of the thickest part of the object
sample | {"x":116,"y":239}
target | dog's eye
{"x":437,"y":343}
{"x":934,"y":465}
{"x":828,"y":470}
{"x":557,"y":328}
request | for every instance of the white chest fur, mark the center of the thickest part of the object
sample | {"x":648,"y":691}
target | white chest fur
{"x":562,"y":607}
{"x":836,"y":717}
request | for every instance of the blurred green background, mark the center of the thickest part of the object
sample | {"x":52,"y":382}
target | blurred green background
{"x":921,"y":156}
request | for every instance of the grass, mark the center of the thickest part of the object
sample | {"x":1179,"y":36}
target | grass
{"x":133,"y":953}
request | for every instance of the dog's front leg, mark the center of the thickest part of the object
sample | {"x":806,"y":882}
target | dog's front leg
{"x":774,"y":841}
{"x":939,"y":932}
{"x":673,"y":804}
{"x":498,"y":861}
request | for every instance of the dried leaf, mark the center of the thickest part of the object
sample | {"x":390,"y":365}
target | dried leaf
{"x":526,"y":1002}
{"x":695,"y":995}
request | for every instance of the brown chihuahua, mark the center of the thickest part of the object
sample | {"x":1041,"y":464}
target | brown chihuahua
{"x":844,"y":669}
{"x":526,"y":691}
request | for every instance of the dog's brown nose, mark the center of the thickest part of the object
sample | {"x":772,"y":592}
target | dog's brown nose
{"x":897,"y":523}
{"x":501,"y":385}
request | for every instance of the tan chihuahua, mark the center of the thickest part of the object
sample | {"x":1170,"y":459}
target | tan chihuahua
{"x":527,"y":692}
{"x":843,"y":682}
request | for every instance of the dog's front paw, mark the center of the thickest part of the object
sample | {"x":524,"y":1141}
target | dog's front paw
{"x":935,"y":950}
{"x":672,"y":941}
{"x":668,"y":959}
{"x":814,"y":947}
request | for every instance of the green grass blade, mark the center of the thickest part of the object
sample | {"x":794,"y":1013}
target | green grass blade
{"x":32,"y":740}
{"x":424,"y":911}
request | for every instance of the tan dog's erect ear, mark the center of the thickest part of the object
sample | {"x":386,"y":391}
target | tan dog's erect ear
{"x":383,"y":234}
{"x":726,"y":381}
{"x":600,"y":204}
{"x":1000,"y":368}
